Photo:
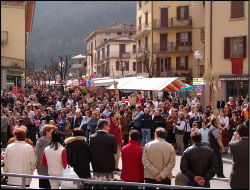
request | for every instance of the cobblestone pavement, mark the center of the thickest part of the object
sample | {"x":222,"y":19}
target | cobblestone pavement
{"x":215,"y":184}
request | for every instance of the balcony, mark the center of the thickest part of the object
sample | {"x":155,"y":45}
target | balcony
{"x":172,"y":24}
{"x":4,"y":37}
{"x":12,"y":63}
{"x":177,"y":73}
{"x":113,"y":54}
{"x":142,"y":29}
{"x":140,"y":51}
{"x":171,"y":47}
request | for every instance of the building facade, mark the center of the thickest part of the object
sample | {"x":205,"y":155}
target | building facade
{"x":99,"y":36}
{"x":114,"y":57}
{"x":170,"y":32}
{"x":226,"y":47}
{"x":16,"y":24}
{"x":79,"y":68}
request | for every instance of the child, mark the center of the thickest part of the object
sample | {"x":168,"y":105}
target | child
{"x":234,"y":137}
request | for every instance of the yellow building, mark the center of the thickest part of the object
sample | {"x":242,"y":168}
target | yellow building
{"x":16,"y":24}
{"x":169,"y":32}
{"x":226,"y":40}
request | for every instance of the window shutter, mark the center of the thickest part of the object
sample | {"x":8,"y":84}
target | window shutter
{"x":186,"y":63}
{"x":233,"y":9}
{"x":241,"y":9}
{"x":178,"y":13}
{"x":227,"y":48}
{"x":127,"y":66}
{"x":178,"y":39}
{"x":244,"y":46}
{"x":146,"y":18}
{"x":189,"y":38}
{"x":177,"y":63}
{"x":186,"y":12}
{"x":169,"y":63}
{"x":117,"y":65}
{"x":134,"y":66}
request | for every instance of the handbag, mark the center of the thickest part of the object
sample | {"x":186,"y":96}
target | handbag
{"x":69,"y":173}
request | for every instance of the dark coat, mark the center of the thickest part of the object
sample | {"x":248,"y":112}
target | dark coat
{"x":158,"y":121}
{"x":197,"y":119}
{"x":222,"y":105}
{"x":239,"y":177}
{"x":103,"y":147}
{"x":78,"y":155}
{"x":199,"y":160}
{"x":146,"y":121}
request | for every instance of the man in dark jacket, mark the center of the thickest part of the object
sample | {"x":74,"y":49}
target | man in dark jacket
{"x":78,"y":153}
{"x":103,"y":147}
{"x":198,"y":163}
{"x":239,"y":178}
{"x":221,"y":103}
{"x":146,"y":126}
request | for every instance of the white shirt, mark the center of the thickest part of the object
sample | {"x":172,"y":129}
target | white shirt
{"x":155,"y":104}
{"x":31,"y":115}
{"x":58,"y":105}
{"x":225,"y":121}
{"x":204,"y":134}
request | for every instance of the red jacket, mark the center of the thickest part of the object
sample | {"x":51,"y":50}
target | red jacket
{"x":116,"y":131}
{"x":132,"y":167}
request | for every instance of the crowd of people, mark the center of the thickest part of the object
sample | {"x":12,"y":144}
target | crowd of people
{"x":49,"y":130}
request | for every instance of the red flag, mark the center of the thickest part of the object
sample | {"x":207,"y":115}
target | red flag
{"x":237,"y":65}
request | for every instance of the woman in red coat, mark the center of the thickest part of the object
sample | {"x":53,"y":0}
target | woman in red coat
{"x":132,"y":167}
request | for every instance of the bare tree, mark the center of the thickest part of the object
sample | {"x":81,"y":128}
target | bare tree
{"x":142,"y":55}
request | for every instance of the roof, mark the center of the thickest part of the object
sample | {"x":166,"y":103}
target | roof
{"x":124,"y":39}
{"x":80,"y":56}
{"x":112,"y":28}
{"x":169,"y":84}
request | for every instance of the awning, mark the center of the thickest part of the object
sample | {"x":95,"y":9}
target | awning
{"x":170,"y":84}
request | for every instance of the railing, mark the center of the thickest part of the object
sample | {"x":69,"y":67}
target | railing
{"x":12,"y":62}
{"x":141,"y":28}
{"x":4,"y":37}
{"x":113,"y":54}
{"x":171,"y":47}
{"x":177,"y":73}
{"x":172,"y":23}
{"x":100,"y":182}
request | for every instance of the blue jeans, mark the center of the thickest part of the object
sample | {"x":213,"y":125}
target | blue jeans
{"x":146,"y":135}
{"x":191,"y":182}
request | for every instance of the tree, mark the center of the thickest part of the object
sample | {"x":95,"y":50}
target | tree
{"x":142,"y":55}
{"x":62,"y":67}
{"x":122,"y":66}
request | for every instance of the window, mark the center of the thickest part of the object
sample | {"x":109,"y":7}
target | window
{"x":237,"y":47}
{"x":146,"y":18}
{"x":134,"y":66}
{"x":107,"y":50}
{"x":182,"y":12}
{"x":119,"y":33}
{"x":165,"y":64}
{"x":139,"y":4}
{"x":139,"y":45}
{"x":182,"y":63}
{"x":127,"y":65}
{"x":98,"y":55}
{"x":134,"y":48}
{"x":237,"y":9}
{"x":184,"y":38}
{"x":146,"y":43}
{"x":139,"y":23}
{"x":139,"y":67}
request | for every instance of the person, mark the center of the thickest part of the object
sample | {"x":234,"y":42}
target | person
{"x":231,"y":101}
{"x":19,"y":158}
{"x":4,"y":126}
{"x":216,"y":145}
{"x":234,"y":121}
{"x":124,"y":127}
{"x":239,"y":177}
{"x":197,"y":118}
{"x":158,"y":159}
{"x":78,"y":153}
{"x":221,"y":103}
{"x":115,"y":129}
{"x":146,"y":126}
{"x":224,"y":122}
{"x":103,"y":147}
{"x":55,"y":157}
{"x":179,"y":130}
{"x":77,"y":119}
{"x":186,"y":137}
{"x":234,"y":137}
{"x":157,"y":121}
{"x":171,"y":119}
{"x":41,"y":144}
{"x":62,"y":121}
{"x":58,"y":104}
{"x":204,"y":133}
{"x":198,"y":163}
{"x":92,"y":123}
{"x":136,"y":118}
{"x":245,"y":112}
{"x":85,"y":124}
{"x":132,"y":167}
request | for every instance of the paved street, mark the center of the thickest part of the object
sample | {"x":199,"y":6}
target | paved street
{"x":215,"y":184}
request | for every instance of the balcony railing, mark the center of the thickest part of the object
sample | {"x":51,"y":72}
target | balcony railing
{"x":171,"y":47}
{"x":12,"y":62}
{"x":142,"y":29}
{"x":177,"y":73}
{"x":140,"y":51}
{"x":4,"y":37}
{"x":113,"y":54}
{"x":172,"y":23}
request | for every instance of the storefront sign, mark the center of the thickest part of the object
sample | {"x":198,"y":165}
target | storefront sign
{"x":14,"y":72}
{"x":12,"y":3}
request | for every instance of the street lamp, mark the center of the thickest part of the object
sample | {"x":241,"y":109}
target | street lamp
{"x":198,"y":56}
